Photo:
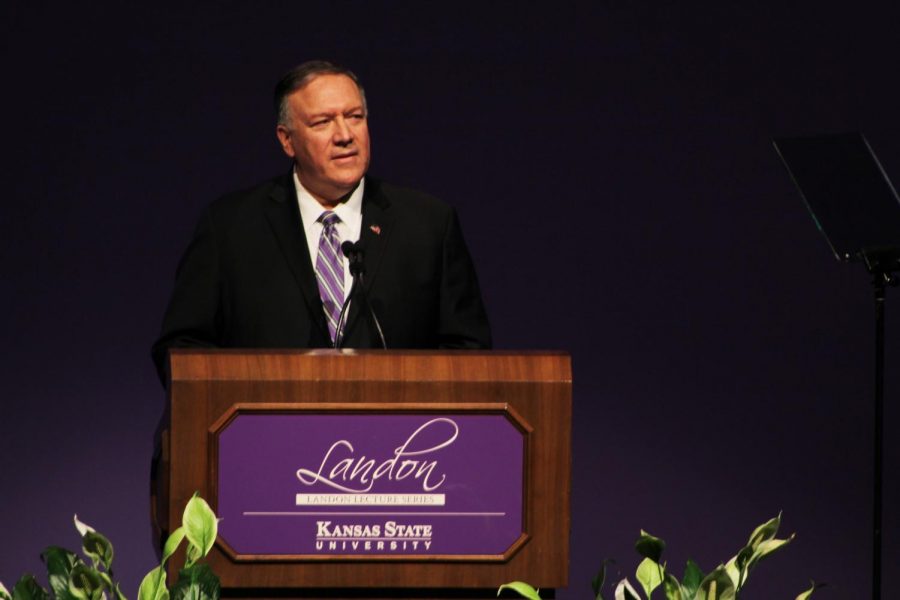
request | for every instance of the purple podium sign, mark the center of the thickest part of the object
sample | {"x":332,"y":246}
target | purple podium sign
{"x":370,"y":484}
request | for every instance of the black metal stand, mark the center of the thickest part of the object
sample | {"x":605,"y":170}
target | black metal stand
{"x":881,"y":279}
{"x":854,"y":204}
{"x":878,"y":437}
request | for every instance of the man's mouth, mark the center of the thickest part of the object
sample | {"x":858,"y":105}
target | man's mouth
{"x":344,"y":155}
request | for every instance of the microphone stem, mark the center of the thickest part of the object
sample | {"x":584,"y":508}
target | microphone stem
{"x":365,"y":299}
{"x":339,"y":330}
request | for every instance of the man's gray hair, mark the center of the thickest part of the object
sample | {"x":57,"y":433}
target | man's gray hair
{"x":298,"y":77}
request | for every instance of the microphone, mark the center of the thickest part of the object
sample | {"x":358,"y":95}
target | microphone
{"x":354,"y":253}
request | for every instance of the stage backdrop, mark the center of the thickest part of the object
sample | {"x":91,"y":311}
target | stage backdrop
{"x":612,"y":166}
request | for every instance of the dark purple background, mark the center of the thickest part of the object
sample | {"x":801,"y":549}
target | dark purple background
{"x":612,"y":165}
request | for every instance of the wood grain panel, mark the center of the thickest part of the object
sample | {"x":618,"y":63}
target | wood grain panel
{"x":208,"y":385}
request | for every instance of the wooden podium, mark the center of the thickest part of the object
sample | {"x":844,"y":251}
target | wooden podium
{"x":529,"y":391}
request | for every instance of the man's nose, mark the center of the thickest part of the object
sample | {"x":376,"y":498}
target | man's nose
{"x":342,"y":132}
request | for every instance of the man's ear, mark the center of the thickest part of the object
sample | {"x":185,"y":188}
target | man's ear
{"x":284,"y":137}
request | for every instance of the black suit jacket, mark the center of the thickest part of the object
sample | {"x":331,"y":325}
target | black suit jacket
{"x":247,"y":280}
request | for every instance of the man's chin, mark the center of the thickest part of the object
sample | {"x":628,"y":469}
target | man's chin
{"x":332,"y":191}
{"x":347,"y":179}
{"x":342,"y":188}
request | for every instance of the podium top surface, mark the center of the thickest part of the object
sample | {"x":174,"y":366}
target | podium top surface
{"x":204,"y":364}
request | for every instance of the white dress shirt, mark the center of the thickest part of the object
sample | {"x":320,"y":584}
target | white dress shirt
{"x":350,"y":213}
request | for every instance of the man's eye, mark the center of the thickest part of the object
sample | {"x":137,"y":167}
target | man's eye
{"x":357,"y":116}
{"x":320,"y":123}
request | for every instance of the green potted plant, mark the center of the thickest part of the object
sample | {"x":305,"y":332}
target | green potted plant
{"x":70,"y":577}
{"x":722,"y":583}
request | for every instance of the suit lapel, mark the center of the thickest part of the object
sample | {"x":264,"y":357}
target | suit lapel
{"x":283,"y":215}
{"x":374,"y":234}
{"x":377,"y":226}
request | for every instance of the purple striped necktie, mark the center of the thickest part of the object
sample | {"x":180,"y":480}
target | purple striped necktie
{"x":330,"y":270}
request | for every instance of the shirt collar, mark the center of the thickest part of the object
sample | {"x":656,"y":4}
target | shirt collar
{"x":311,"y":210}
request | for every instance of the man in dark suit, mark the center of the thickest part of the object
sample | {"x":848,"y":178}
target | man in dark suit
{"x":263,"y":269}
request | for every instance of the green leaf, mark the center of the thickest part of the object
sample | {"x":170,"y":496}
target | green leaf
{"x":599,"y":578}
{"x":716,"y":586}
{"x":650,"y":575}
{"x":624,"y":591}
{"x":673,"y":588}
{"x":85,"y":583}
{"x":107,"y":581}
{"x":192,"y":555}
{"x":82,"y":528}
{"x":196,"y":583}
{"x":98,"y":548}
{"x":738,"y":567}
{"x":764,"y":532}
{"x":153,"y":586}
{"x":27,"y":588}
{"x":110,"y":586}
{"x":200,"y":524}
{"x":4,"y":593}
{"x":172,"y":543}
{"x":649,"y":546}
{"x":521,"y":588}
{"x":812,"y":587}
{"x":691,"y":579}
{"x":734,"y":573}
{"x":766,"y":548}
{"x":60,"y":563}
{"x":743,"y":557}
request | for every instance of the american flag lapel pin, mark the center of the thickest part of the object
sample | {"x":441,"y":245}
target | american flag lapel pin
{"x":376,"y":229}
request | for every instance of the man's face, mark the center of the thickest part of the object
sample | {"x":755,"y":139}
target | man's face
{"x":328,"y":137}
